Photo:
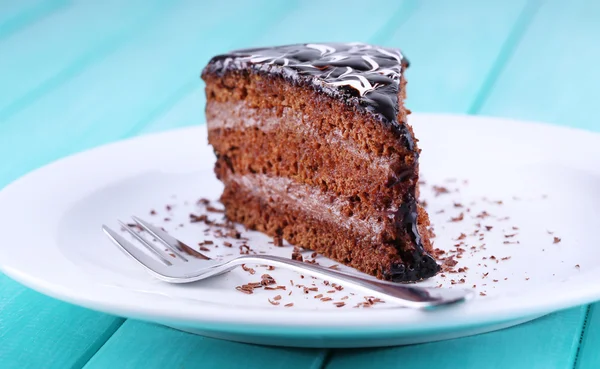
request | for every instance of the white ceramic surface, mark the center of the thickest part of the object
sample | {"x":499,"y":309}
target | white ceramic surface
{"x":532,"y":179}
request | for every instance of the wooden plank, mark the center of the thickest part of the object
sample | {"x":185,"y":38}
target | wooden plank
{"x":39,"y":332}
{"x":84,"y":28}
{"x":17,"y":15}
{"x":589,"y":352}
{"x":553,"y":74}
{"x":148,"y":346}
{"x":544,"y":343}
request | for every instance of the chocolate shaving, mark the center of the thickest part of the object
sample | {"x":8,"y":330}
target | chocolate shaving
{"x":212,"y":209}
{"x":440,"y":190}
{"x":249,"y":270}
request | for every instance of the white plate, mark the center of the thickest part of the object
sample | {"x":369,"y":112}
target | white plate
{"x":50,"y":222}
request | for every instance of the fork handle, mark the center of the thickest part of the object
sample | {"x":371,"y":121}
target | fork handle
{"x":405,"y":295}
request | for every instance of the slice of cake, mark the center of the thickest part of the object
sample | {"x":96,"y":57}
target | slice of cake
{"x":313,"y":147}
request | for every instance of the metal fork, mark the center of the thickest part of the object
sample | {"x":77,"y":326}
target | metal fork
{"x":182,"y":264}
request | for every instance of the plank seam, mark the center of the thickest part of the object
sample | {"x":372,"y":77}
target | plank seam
{"x":506,"y":52}
{"x":322,"y":359}
{"x":586,"y":320}
{"x":82,"y":362}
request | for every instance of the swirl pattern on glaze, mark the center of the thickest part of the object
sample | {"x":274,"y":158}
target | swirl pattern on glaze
{"x":366,"y":74}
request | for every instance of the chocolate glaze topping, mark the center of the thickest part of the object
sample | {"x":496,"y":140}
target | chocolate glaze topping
{"x":362,"y":75}
{"x":359,"y":73}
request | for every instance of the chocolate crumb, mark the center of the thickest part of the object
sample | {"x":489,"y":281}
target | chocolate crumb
{"x":577,"y":266}
{"x":289,"y":305}
{"x":557,"y":239}
{"x":277,"y":298}
{"x":227,"y":244}
{"x":203,"y":248}
{"x":273,"y":302}
{"x":197,"y":218}
{"x":510,"y":235}
{"x":458,"y":218}
{"x":278,"y":241}
{"x":484,"y":214}
{"x":318,"y":296}
{"x":167,"y":219}
{"x":488,"y":228}
{"x":169,"y":207}
{"x":461,"y":237}
{"x":152,"y":212}
{"x":458,"y":205}
{"x":297,"y":256}
{"x":325,"y":299}
{"x":313,"y":255}
{"x":339,"y":304}
{"x":482,"y":294}
{"x":515,"y":228}
{"x":440,"y":190}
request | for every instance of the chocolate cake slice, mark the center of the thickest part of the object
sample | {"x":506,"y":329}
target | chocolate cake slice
{"x":312,"y":146}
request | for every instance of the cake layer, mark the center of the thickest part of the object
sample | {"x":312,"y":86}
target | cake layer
{"x":279,"y":207}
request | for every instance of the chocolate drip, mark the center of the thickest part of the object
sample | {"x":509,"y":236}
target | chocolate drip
{"x":419,"y":264}
{"x":366,"y":74}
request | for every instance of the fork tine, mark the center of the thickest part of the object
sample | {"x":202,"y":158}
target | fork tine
{"x":135,"y":252}
{"x":149,"y":246}
{"x":171,"y":242}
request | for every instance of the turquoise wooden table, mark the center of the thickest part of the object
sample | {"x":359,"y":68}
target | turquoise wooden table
{"x":77,"y":74}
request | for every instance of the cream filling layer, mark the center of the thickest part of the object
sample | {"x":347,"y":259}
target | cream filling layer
{"x":307,"y":199}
